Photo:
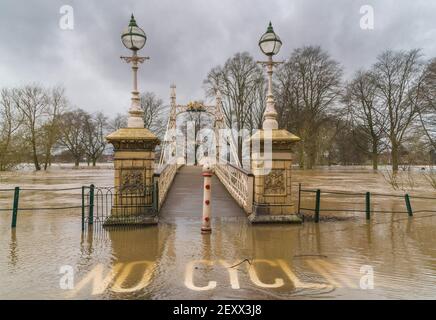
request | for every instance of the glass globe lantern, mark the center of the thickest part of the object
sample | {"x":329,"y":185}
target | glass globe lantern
{"x":133,"y":37}
{"x":270,"y":43}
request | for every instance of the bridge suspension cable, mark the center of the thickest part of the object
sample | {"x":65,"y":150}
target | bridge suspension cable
{"x":168,"y":150}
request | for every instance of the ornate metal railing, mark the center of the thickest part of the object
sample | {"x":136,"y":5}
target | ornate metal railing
{"x":119,"y":206}
{"x":238,"y":182}
{"x":163,"y":178}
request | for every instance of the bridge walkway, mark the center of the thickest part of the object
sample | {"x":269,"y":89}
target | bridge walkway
{"x":185,"y":197}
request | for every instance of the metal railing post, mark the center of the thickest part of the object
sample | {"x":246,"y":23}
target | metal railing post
{"x":83,"y":208}
{"x":368,"y":205}
{"x":91,"y":205}
{"x":15,"y":207}
{"x":408,"y":205}
{"x":317,"y":205}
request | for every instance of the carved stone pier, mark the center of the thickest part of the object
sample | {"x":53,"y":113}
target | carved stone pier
{"x":134,"y":168}
{"x":272,"y":177}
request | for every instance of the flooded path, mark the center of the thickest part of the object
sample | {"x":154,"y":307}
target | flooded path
{"x":391,"y":256}
{"x":185,"y":198}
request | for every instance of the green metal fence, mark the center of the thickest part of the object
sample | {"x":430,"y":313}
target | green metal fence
{"x":112,"y":206}
{"x":97,"y":205}
{"x":365,"y":208}
{"x":17,"y":204}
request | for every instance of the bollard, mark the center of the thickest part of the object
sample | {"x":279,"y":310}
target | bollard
{"x":317,"y":205}
{"x":368,"y":206}
{"x":207,"y":174}
{"x":15,"y":207}
{"x":91,"y":205}
{"x":408,"y":205}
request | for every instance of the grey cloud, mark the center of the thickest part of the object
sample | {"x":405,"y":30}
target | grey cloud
{"x":186,"y":38}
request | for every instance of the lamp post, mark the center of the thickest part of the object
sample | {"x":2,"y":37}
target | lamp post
{"x":270,"y":44}
{"x":134,"y":170}
{"x":272,"y":166}
{"x":134,"y":38}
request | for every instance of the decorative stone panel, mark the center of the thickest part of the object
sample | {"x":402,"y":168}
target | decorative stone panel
{"x":275,"y":182}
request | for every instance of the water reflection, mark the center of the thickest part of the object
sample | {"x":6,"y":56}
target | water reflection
{"x":237,"y":260}
{"x":13,"y":248}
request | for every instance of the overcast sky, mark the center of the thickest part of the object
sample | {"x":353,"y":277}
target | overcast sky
{"x":186,"y":38}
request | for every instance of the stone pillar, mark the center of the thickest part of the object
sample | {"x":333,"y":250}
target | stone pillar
{"x":272,"y":188}
{"x":134,"y":161}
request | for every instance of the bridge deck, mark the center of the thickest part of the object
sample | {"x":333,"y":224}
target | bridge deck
{"x":185,"y":197}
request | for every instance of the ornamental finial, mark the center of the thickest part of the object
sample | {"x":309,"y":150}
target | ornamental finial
{"x":132,"y":21}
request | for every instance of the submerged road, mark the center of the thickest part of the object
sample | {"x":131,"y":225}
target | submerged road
{"x":185,"y":197}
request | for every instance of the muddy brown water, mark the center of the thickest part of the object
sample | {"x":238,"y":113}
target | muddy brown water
{"x":47,"y":256}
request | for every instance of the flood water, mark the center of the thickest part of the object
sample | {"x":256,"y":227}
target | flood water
{"x":391,"y":256}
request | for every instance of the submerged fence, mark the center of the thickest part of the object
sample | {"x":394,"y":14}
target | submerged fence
{"x":15,"y":207}
{"x":366,"y":199}
{"x":136,"y":204}
{"x":106,"y":205}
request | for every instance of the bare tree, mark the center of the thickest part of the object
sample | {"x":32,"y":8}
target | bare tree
{"x":57,"y":104}
{"x":72,"y":133}
{"x":118,"y":122}
{"x":154,"y":113}
{"x":238,"y":81}
{"x":366,"y":113}
{"x":199,"y":120}
{"x":308,"y":85}
{"x":241,"y":82}
{"x":94,"y":132}
{"x":343,"y":148}
{"x":398,"y":79}
{"x":32,"y":101}
{"x":258,"y":105}
{"x":427,"y":114}
{"x":10,"y":122}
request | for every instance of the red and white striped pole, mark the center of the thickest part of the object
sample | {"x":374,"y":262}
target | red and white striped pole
{"x":207,"y":174}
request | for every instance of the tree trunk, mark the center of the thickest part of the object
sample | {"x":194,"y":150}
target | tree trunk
{"x":309,"y":163}
{"x":35,"y":159}
{"x":374,"y":156}
{"x":94,"y":161}
{"x":76,"y":162}
{"x":311,"y":157}
{"x":47,"y":159}
{"x":301,"y":156}
{"x":375,"y":161}
{"x":310,"y":150}
{"x":394,"y":156}
{"x":240,"y":148}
